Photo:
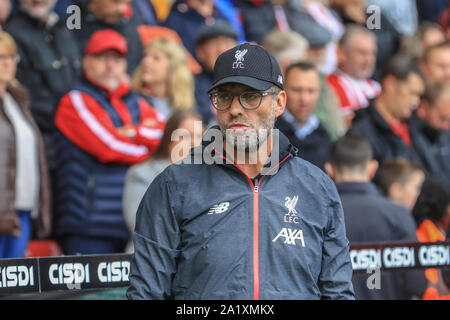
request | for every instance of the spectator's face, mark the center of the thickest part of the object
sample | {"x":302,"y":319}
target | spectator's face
{"x":317,"y":56}
{"x":437,"y":66}
{"x":302,"y":93}
{"x":249,"y":128}
{"x":406,"y":95}
{"x":203,"y":7}
{"x":359,"y":57}
{"x":7,"y":65}
{"x":107,"y":68}
{"x":5,"y":10}
{"x":432,"y":37}
{"x":349,"y":3}
{"x":155,"y":67}
{"x":406,"y":195}
{"x":109,"y":11}
{"x":190,"y":136}
{"x":353,"y":9}
{"x":209,"y":51}
{"x":438,"y":115}
{"x":38,"y":8}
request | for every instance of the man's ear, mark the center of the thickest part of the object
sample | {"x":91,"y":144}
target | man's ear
{"x":423,"y":67}
{"x":394,"y":191}
{"x":329,"y":170}
{"x":422,"y":109}
{"x":389,"y":83}
{"x":372,"y":168}
{"x":199,"y":53}
{"x":280,"y":103}
{"x":85,"y":59}
{"x":341,"y":55}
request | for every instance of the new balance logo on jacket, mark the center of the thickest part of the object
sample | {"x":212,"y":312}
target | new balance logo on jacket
{"x":219,"y":208}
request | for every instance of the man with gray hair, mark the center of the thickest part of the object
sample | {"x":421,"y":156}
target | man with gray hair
{"x":286,"y":46}
{"x":289,"y":47}
{"x":269,"y":229}
{"x":356,"y":63}
{"x":49,"y":62}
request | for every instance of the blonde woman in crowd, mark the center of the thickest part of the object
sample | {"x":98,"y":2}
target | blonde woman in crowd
{"x":163,"y":77}
{"x":24,"y":184}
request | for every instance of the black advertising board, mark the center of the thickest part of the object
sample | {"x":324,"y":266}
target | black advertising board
{"x":64,"y":273}
{"x":399,"y":256}
{"x":19,"y":275}
{"x":82,"y":272}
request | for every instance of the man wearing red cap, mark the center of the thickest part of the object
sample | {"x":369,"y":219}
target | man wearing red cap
{"x":104,"y":127}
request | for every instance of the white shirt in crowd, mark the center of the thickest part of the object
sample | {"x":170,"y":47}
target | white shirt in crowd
{"x":27,"y":159}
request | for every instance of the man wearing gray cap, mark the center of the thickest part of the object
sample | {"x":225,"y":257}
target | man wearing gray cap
{"x":211,"y":41}
{"x":243,"y":217}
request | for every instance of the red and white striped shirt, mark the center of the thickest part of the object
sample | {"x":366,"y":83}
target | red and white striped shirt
{"x":87,"y":124}
{"x":325,"y":17}
{"x":353,"y":94}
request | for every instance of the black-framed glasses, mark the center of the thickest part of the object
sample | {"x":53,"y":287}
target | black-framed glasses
{"x":249,"y":100}
{"x":13,"y":57}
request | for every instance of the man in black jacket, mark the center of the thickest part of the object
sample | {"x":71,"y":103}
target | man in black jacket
{"x":432,"y":121}
{"x":371,"y":218}
{"x":386,"y":121}
{"x":298,"y":122}
{"x":49,"y":62}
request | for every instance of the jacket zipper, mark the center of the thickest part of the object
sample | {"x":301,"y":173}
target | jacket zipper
{"x":254,"y":185}
{"x":255,"y":188}
{"x":256,"y":240}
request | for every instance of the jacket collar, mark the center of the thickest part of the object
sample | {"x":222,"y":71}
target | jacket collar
{"x":357,"y":188}
{"x":378,"y":119}
{"x":19,"y":94}
{"x":428,"y":131}
{"x":212,"y":152}
{"x":51,"y":22}
{"x":301,"y":132}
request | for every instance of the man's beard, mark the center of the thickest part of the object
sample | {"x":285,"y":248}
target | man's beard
{"x":111,"y":85}
{"x":252,"y":139}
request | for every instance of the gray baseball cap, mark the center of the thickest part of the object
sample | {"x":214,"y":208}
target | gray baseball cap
{"x":218,"y":28}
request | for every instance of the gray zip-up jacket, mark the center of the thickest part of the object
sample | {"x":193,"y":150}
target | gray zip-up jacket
{"x":207,"y":231}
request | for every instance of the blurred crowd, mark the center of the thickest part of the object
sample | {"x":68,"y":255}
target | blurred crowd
{"x":91,"y":92}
